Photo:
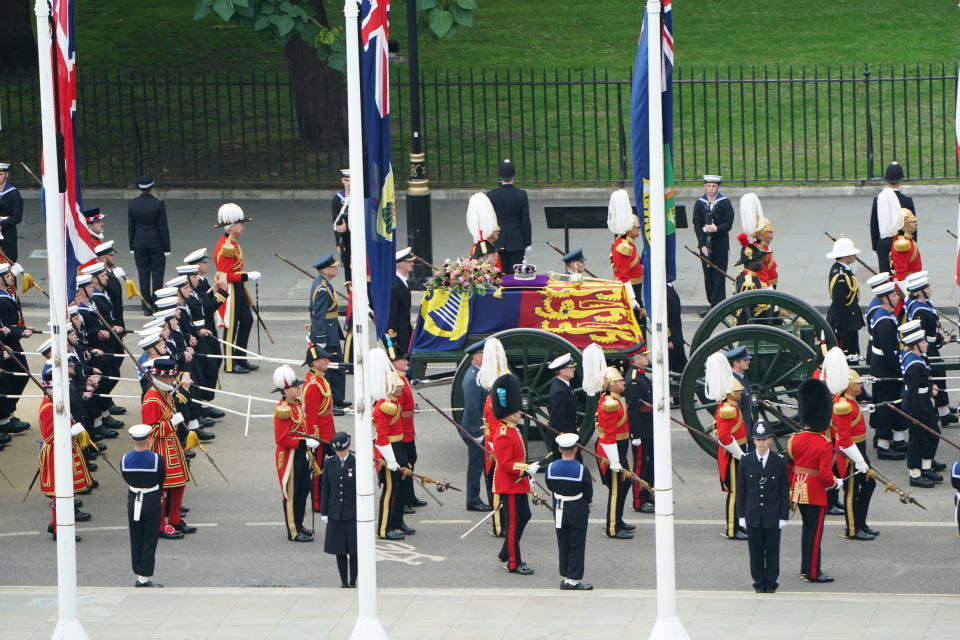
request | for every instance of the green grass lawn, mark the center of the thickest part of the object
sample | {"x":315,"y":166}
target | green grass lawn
{"x":548,"y":33}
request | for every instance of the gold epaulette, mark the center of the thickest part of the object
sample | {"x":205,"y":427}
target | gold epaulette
{"x":503,"y":429}
{"x":901,"y":244}
{"x":389,"y":407}
{"x":624,"y":249}
{"x":521,"y":466}
{"x":727,"y":411}
{"x":181,"y":398}
{"x":219,"y":297}
{"x":228,"y":250}
{"x":842,"y":407}
{"x":283,"y":411}
{"x":609,"y":404}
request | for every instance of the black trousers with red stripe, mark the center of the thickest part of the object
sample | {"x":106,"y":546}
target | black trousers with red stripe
{"x":810,"y":539}
{"x":514,"y":514}
{"x":643,"y":467}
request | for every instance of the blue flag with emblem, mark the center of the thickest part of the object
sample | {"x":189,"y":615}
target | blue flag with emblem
{"x":380,"y":212}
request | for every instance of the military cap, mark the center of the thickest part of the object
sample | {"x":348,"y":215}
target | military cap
{"x":93,"y":214}
{"x":194,"y":257}
{"x":640,"y":347}
{"x":406,"y":255}
{"x":574,"y":256}
{"x":562,"y":362}
{"x":105,"y":249}
{"x":166,"y":303}
{"x":139,"y":431}
{"x":893,"y":173}
{"x":176,"y":282}
{"x":316,"y":352}
{"x":476,"y":346}
{"x":4,"y":166}
{"x":738,"y":353}
{"x":164,"y":366}
{"x":710,"y":177}
{"x":164,"y":314}
{"x":507,"y":170}
{"x":341,"y":441}
{"x":146,"y":182}
{"x":94,"y":269}
{"x":187,"y":269}
{"x":84,"y":279}
{"x":506,"y":396}
{"x":325,"y":261}
{"x":761,"y":429}
{"x":567,"y":440}
{"x":149,"y":340}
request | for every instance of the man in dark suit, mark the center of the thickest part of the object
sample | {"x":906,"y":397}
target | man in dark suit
{"x":562,"y":401}
{"x":399,"y":327}
{"x":763,"y":497}
{"x":513,"y":217}
{"x":712,"y":221}
{"x":11,"y":213}
{"x":149,"y":237}
{"x":893,"y":176}
{"x":472,"y":421}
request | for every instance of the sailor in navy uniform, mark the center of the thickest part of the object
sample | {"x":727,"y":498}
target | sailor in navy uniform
{"x":883,"y":356}
{"x":763,"y":497}
{"x":341,"y":227}
{"x":919,"y":307}
{"x":562,"y":401}
{"x":572,"y":488}
{"x":12,"y":330}
{"x":338,"y":507}
{"x":712,"y":221}
{"x":919,"y":395}
{"x":11,"y":214}
{"x":144,"y":472}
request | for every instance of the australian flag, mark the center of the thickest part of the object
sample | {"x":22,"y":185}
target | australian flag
{"x":381,"y":218}
{"x":640,"y":143}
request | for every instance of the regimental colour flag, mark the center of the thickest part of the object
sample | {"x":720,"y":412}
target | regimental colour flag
{"x":639,"y":142}
{"x":79,"y":242}
{"x":380,"y":210}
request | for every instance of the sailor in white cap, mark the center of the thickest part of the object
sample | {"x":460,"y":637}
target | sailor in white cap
{"x":844,"y":315}
{"x":712,"y":221}
{"x":572,"y":487}
{"x":399,"y":327}
{"x":883,"y":356}
{"x":562,"y":402}
{"x":11,"y":214}
{"x":919,"y":393}
{"x":341,"y":227}
{"x":13,"y":330}
{"x":144,"y":472}
{"x":203,"y":304}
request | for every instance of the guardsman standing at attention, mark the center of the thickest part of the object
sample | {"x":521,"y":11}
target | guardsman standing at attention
{"x":325,"y":328}
{"x":572,"y":489}
{"x":712,"y":221}
{"x":561,"y":400}
{"x":511,"y":482}
{"x":724,"y":389}
{"x":849,"y":434}
{"x":844,"y":315}
{"x":159,"y":412}
{"x":318,"y":409}
{"x":11,"y":214}
{"x":883,"y":356}
{"x":919,"y":307}
{"x":639,"y":397}
{"x":492,"y":366}
{"x":391,"y":458}
{"x":624,"y":255}
{"x":232,"y":278}
{"x":144,"y":472}
{"x":811,"y":473}
{"x":893,"y":176}
{"x":482,"y":224}
{"x":919,"y":393}
{"x":408,"y":499}
{"x":338,"y":507}
{"x":758,"y":226}
{"x":399,"y":327}
{"x":295,"y":452}
{"x":764,"y":502}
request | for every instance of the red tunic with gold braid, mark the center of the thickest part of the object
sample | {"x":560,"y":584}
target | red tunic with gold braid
{"x":730,"y":427}
{"x":491,"y":427}
{"x":287,"y":419}
{"x":157,"y":411}
{"x":318,"y":406}
{"x":811,"y":471}
{"x":612,"y":424}
{"x":847,"y":427}
{"x":228,"y":259}
{"x":768,"y":272}
{"x":510,"y":475}
{"x":904,"y":257}
{"x":388,"y":423}
{"x":407,"y":405}
{"x":81,"y":474}
{"x":625,"y":261}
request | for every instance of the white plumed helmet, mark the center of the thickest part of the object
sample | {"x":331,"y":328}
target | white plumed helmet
{"x":620,"y":218}
{"x":284,"y":376}
{"x":494,"y":363}
{"x":751,"y":213}
{"x":718,"y":379}
{"x":481,"y":217}
{"x":594,"y":367}
{"x":889,"y":213}
{"x":836,"y":371}
{"x":229,"y":213}
{"x":382,"y":375}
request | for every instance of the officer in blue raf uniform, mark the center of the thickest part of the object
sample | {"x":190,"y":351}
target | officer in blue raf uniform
{"x":325,"y":328}
{"x":338,"y":507}
{"x":144,"y":472}
{"x":472,"y":421}
{"x":763,"y":497}
{"x":572,"y":489}
{"x":739,"y":359}
{"x":574,"y":262}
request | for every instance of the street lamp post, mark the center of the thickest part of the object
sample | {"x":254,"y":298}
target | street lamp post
{"x":419,"y":232}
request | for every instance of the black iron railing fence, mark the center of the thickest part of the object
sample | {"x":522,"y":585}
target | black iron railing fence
{"x":783,"y":124}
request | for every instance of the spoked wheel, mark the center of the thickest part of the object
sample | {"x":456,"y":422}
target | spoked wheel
{"x":780,"y":362}
{"x":787,"y":312}
{"x":529,"y":351}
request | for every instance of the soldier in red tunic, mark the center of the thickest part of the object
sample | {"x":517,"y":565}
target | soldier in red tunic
{"x":511,"y":482}
{"x":408,"y":499}
{"x":493,"y":366}
{"x":613,"y":453}
{"x":318,"y":409}
{"x":731,"y":432}
{"x":897,"y":227}
{"x":811,"y":473}
{"x":624,"y":255}
{"x":232,"y":277}
{"x":81,"y":474}
{"x":390,"y":453}
{"x":758,"y":226}
{"x":159,"y":412}
{"x":295,"y":452}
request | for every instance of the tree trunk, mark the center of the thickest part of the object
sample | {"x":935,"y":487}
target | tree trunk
{"x":18,"y":49}
{"x":318,"y":92}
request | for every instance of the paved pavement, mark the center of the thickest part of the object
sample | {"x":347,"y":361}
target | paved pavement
{"x":477,"y":614}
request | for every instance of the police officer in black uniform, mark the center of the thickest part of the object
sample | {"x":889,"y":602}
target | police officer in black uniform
{"x":144,"y":472}
{"x":893,"y":176}
{"x":562,"y":401}
{"x":338,"y":507}
{"x":149,"y":236}
{"x":763,"y":497}
{"x":572,"y":488}
{"x":639,"y":397}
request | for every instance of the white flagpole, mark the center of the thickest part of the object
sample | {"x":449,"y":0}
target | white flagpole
{"x":68,"y":625}
{"x":367,"y":626}
{"x":668,"y":625}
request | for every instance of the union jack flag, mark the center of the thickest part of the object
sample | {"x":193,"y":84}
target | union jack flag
{"x":79,"y":242}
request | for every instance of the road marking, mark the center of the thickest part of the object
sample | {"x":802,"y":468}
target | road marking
{"x":402,"y":552}
{"x":444,"y":521}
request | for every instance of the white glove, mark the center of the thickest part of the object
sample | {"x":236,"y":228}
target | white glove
{"x":253,"y":276}
{"x":324,"y":519}
{"x":742,"y":522}
{"x":781,"y":524}
{"x":862,"y":466}
{"x":176,"y":419}
{"x":166,"y":254}
{"x":387,"y":452}
{"x":855,"y":456}
{"x":311,"y":443}
{"x":193,"y":425}
{"x":478,"y":440}
{"x":612,"y":454}
{"x":528,"y":249}
{"x":734,"y":449}
{"x":636,"y":442}
{"x":119,"y":273}
{"x":16,"y":269}
{"x":131,"y":251}
{"x":533,"y":468}
{"x":76,"y":429}
{"x":838,"y":484}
